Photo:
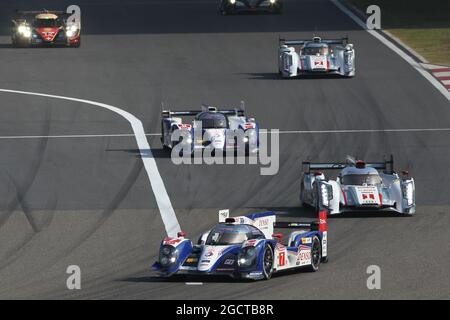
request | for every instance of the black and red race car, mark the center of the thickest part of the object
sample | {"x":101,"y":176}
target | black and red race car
{"x":44,"y":28}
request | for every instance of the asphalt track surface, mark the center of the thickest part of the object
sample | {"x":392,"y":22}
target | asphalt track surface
{"x":88,"y":202}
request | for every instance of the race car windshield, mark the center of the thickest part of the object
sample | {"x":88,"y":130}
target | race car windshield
{"x":225,"y":235}
{"x":361,"y":179}
{"x":213,"y":120}
{"x":312,"y":51}
{"x":46,"y":23}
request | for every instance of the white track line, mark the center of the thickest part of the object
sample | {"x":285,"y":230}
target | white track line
{"x":361,"y":131}
{"x":83,"y":136}
{"x":162,"y":198}
{"x":393,"y":47}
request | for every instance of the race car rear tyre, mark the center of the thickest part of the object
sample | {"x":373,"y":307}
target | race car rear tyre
{"x":302,"y":192}
{"x":268,"y":262}
{"x":316,"y":254}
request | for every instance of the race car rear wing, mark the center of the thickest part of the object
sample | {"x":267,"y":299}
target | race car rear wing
{"x":298,"y":42}
{"x":21,"y":14}
{"x":237,"y":111}
{"x":386,"y":165}
{"x":314,"y":225}
{"x":319,"y":225}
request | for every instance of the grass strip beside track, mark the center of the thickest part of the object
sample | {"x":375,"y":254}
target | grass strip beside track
{"x":422,"y":25}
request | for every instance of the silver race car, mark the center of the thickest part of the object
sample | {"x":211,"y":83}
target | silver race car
{"x":225,"y":129}
{"x":316,"y":56}
{"x":358,"y":187}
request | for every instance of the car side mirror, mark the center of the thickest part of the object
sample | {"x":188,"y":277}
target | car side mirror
{"x":277,"y":236}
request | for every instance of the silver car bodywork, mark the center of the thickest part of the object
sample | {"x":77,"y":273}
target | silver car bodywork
{"x":382,"y":190}
{"x":316,"y":56}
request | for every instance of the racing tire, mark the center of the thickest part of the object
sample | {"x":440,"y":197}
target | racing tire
{"x":302,"y":202}
{"x":268,"y":261}
{"x":316,"y":254}
{"x":76,"y":45}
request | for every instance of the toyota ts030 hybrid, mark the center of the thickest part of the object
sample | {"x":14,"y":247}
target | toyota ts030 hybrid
{"x":246,"y":247}
{"x":359,"y":186}
{"x":224,"y":129}
{"x":316,"y":56}
{"x":44,"y":28}
{"x":237,"y":6}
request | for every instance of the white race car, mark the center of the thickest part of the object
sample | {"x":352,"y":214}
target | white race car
{"x":224,"y":129}
{"x":316,"y":56}
{"x":358,"y":187}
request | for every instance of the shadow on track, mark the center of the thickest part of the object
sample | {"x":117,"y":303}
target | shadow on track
{"x":276,"y":76}
{"x":155,"y":153}
{"x":380,"y":214}
{"x":183,"y":278}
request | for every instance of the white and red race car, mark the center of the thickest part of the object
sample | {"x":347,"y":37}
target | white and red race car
{"x":359,"y":186}
{"x":316,"y":56}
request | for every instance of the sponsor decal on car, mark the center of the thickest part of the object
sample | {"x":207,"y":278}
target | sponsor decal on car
{"x":303,"y":257}
{"x":306,"y":240}
{"x":229,"y":261}
{"x":251,"y":243}
{"x":171,"y":241}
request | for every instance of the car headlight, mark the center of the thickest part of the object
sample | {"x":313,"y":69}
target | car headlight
{"x":24,"y":30}
{"x":167,"y":255}
{"x":273,"y":1}
{"x":71,"y":30}
{"x":247,"y":256}
{"x":408,"y":193}
{"x":232,"y":1}
{"x":250,"y":136}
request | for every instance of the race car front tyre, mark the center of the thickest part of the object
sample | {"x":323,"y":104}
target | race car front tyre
{"x":268,"y":262}
{"x":76,"y":45}
{"x":316,"y":254}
